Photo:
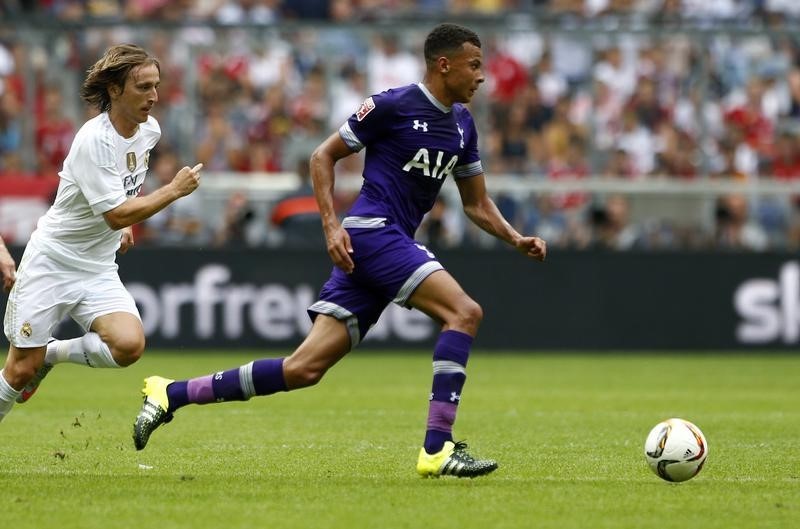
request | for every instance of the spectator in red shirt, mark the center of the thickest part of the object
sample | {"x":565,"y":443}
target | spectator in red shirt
{"x":756,"y":128}
{"x":507,"y":76}
{"x":785,"y":165}
{"x":54,"y":133}
{"x":570,"y":166}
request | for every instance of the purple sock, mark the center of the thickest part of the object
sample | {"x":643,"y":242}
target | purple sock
{"x":268,"y":376}
{"x":449,"y":374}
{"x":261,"y":377}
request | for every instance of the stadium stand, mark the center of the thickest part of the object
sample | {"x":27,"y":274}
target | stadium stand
{"x":664,"y":118}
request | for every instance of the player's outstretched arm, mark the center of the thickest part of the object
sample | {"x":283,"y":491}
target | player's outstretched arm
{"x":481,"y":210}
{"x":140,"y":208}
{"x":323,"y":178}
{"x":8,"y":268}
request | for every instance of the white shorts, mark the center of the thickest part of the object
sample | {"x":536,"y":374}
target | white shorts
{"x":46,"y":291}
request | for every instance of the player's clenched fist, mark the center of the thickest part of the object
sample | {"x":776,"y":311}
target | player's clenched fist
{"x":533,"y":247}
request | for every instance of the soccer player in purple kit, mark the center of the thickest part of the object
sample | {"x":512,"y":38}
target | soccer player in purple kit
{"x":415,"y":136}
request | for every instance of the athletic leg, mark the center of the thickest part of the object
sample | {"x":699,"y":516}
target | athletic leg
{"x":42,"y":295}
{"x":108,"y":312}
{"x":443,"y":299}
{"x":115,"y":340}
{"x":20,"y":367}
{"x":326,"y":344}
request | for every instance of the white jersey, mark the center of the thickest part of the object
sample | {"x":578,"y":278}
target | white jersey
{"x":101,"y":171}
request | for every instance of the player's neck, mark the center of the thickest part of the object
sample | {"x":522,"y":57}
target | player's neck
{"x":124,"y":127}
{"x":438,"y":90}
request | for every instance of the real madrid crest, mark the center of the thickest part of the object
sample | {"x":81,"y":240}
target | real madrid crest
{"x":130,"y":158}
{"x":26,"y":330}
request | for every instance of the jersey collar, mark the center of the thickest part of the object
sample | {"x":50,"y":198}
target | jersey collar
{"x":438,"y":104}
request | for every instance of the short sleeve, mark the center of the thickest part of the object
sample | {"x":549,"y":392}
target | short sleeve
{"x":470,"y":162}
{"x":96,"y":174}
{"x":368,"y":122}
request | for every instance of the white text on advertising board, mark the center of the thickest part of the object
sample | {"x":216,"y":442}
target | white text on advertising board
{"x":770,"y":308}
{"x":275,"y":311}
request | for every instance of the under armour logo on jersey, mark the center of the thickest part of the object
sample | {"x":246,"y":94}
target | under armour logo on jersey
{"x":418,"y":125}
{"x":461,"y":131}
{"x":455,"y":397}
{"x":422,"y":247}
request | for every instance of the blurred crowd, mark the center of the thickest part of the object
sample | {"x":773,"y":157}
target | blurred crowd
{"x":697,"y":105}
{"x":269,"y":11}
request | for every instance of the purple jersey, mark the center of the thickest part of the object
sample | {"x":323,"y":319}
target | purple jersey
{"x":413,"y":143}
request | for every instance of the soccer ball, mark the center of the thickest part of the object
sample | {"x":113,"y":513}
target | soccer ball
{"x":676,"y":449}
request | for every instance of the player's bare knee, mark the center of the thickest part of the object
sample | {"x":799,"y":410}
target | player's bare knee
{"x":127,"y":351}
{"x":468,"y":317}
{"x":126,"y":357}
{"x":19,"y":373}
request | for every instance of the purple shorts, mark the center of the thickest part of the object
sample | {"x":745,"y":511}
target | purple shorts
{"x":389,"y":266}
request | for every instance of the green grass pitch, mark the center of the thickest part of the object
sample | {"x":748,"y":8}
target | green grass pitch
{"x":568,"y":430}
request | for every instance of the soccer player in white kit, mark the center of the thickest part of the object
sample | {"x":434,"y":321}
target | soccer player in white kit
{"x":69,"y":265}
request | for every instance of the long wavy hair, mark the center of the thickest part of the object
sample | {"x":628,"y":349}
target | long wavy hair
{"x":112,"y":69}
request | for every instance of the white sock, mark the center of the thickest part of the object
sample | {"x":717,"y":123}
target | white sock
{"x":8,"y":396}
{"x":88,"y":350}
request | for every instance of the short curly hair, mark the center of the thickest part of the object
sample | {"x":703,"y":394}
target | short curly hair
{"x":113,"y":68}
{"x":446,"y":39}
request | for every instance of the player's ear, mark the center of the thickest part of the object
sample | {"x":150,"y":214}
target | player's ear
{"x":444,"y":64}
{"x":114,"y":90}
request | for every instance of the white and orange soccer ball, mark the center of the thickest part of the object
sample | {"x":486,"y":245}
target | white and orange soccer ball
{"x":676,"y":449}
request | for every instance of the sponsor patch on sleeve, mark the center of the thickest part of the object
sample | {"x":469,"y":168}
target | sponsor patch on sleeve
{"x":365,"y":108}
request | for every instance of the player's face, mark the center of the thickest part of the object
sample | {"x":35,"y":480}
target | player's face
{"x":465,"y":73}
{"x":134,"y":103}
